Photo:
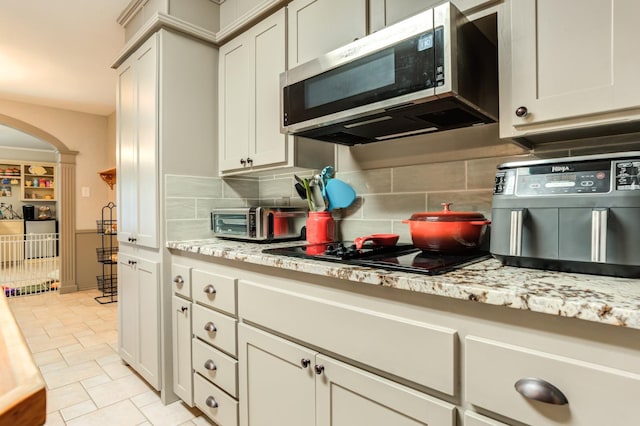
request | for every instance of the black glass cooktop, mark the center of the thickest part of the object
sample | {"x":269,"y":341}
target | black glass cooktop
{"x":401,"y":257}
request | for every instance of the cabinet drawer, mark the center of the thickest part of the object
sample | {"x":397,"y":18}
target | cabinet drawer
{"x":214,"y":403}
{"x":181,"y":280}
{"x":223,"y":333}
{"x":475,"y":419}
{"x":214,"y":290}
{"x":419,"y":352}
{"x":217,"y":367}
{"x":596,"y":394}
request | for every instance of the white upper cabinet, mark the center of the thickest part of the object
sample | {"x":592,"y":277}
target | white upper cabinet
{"x":383,"y":13}
{"x":250,"y":67}
{"x":320,"y":26}
{"x":572,"y":64}
{"x":137,"y":146}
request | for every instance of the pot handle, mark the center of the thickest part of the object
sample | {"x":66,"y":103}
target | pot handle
{"x":378,"y":239}
{"x":480,"y":222}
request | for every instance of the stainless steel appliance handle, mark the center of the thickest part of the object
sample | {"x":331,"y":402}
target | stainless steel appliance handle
{"x":599,"y":219}
{"x":515,"y":232}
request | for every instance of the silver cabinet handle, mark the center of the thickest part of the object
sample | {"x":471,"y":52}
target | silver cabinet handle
{"x":599,"y":218}
{"x":540,"y":390}
{"x":210,"y":327}
{"x":183,"y":309}
{"x":522,"y":112}
{"x":178,"y":280}
{"x":305,"y":362}
{"x":515,"y":232}
{"x":210,"y":365}
{"x":211,"y":402}
{"x":319,"y":368}
{"x":210,"y":289}
{"x":243,"y":162}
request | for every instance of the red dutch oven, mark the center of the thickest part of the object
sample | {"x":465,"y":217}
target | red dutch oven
{"x":446,"y":230}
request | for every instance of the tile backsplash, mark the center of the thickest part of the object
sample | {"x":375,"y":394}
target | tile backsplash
{"x":385,"y":196}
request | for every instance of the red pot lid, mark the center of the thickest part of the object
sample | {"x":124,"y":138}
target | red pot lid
{"x":447,"y":215}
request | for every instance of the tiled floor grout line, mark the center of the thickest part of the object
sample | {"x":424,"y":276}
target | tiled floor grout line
{"x":73,"y":340}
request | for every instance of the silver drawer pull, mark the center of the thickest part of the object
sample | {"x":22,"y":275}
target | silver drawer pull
{"x":540,"y":390}
{"x":305,"y":362}
{"x":319,"y":368}
{"x":210,"y":365}
{"x":210,"y":289}
{"x":178,"y":280}
{"x":211,"y":402}
{"x":183,"y":309}
{"x":210,"y":327}
{"x":599,"y":235}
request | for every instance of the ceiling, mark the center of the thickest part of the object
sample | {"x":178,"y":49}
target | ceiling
{"x":58,"y":54}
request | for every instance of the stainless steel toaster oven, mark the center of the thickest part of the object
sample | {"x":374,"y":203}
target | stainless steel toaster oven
{"x":258,"y":223}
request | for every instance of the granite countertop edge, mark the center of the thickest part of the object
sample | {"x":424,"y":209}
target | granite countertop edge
{"x":602,"y":299}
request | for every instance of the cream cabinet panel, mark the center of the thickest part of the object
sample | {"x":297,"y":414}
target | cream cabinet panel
{"x":353,"y":331}
{"x":139,"y":316}
{"x":347,"y":395}
{"x":214,"y":403}
{"x":250,"y":67}
{"x":214,"y":290}
{"x":137,"y":157}
{"x":181,"y":280}
{"x":593,"y":391}
{"x":383,"y":13}
{"x":215,"y":366}
{"x":475,"y":419}
{"x":320,"y":26}
{"x":566,"y":71}
{"x":234,"y":103}
{"x":276,"y":380}
{"x":182,"y":371}
{"x":215,"y":328}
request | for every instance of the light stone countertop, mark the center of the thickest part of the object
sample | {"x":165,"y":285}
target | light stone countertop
{"x":602,"y":299}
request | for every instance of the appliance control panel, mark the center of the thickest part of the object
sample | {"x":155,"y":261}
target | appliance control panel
{"x":569,"y":178}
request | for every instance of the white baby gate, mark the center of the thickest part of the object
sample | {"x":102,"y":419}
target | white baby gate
{"x":29,"y":264}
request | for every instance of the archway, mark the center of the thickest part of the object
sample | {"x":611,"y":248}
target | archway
{"x":66,"y":199}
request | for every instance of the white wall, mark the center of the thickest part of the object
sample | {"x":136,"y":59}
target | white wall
{"x":92,"y":136}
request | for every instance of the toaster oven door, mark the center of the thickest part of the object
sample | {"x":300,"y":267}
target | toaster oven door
{"x":231,"y":224}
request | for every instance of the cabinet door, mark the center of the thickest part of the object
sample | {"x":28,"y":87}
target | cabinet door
{"x":320,"y":26}
{"x":564,"y":67}
{"x":349,"y":396}
{"x":276,"y":380}
{"x":128,"y":310}
{"x":268,"y":53}
{"x":181,"y":329}
{"x":127,"y":154}
{"x":148,"y":320}
{"x":147,"y":161}
{"x":137,"y":155}
{"x":233,"y":103}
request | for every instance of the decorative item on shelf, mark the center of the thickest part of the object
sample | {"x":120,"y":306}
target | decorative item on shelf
{"x":109,"y":176}
{"x":37,"y":170}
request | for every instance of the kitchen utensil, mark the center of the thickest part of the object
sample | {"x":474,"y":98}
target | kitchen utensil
{"x":339,"y":194}
{"x":306,"y":190}
{"x":317,"y":192}
{"x":377,"y":240}
{"x":446,"y":230}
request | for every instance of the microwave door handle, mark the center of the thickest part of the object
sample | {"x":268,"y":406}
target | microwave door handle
{"x":270,"y":225}
{"x":515,"y":232}
{"x":599,"y":219}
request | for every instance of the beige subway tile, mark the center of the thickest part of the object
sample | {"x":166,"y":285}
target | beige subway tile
{"x":180,"y":208}
{"x":368,"y":181}
{"x":193,"y":186}
{"x":392,"y":206}
{"x":240,"y":188}
{"x":429,"y":177}
{"x":188,"y":229}
{"x":348,"y":230}
{"x":474,"y":201}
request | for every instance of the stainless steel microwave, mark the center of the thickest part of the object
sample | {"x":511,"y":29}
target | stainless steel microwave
{"x":258,"y":223}
{"x":433,"y":71}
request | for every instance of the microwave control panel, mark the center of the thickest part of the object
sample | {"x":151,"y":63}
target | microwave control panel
{"x":583,"y":178}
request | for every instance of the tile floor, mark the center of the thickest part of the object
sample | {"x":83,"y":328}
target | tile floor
{"x":73,"y":340}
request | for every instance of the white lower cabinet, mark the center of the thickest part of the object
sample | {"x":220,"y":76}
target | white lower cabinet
{"x":205,"y":367}
{"x":284,"y":383}
{"x":554,"y":389}
{"x":139,"y":316}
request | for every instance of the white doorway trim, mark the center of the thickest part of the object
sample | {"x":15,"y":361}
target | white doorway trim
{"x":66,"y":199}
